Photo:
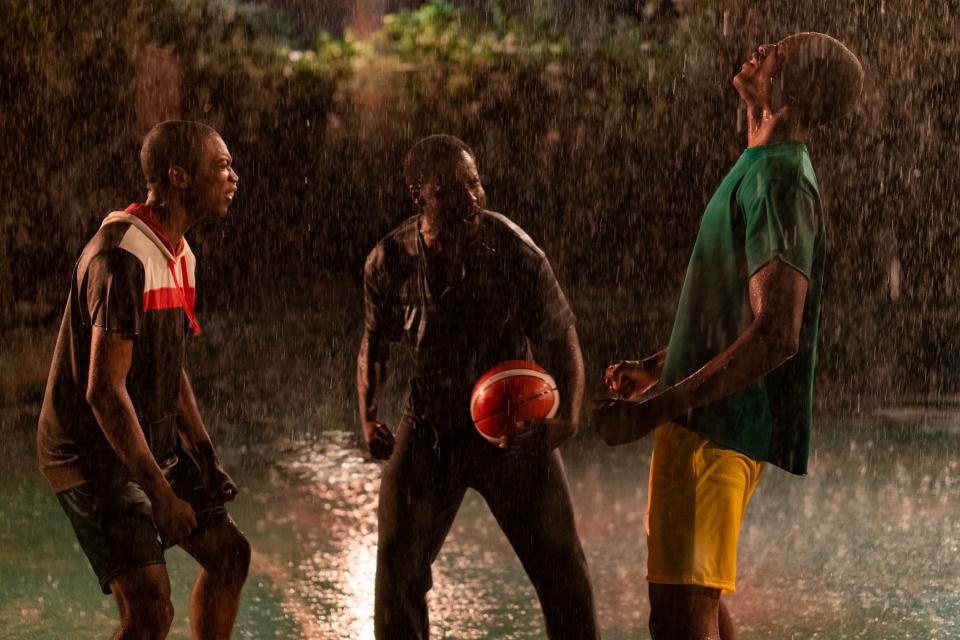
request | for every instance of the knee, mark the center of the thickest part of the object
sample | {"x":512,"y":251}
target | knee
{"x":236,"y":563}
{"x":400,"y":568}
{"x":229,"y":566}
{"x":683,"y":611}
{"x":149,"y":618}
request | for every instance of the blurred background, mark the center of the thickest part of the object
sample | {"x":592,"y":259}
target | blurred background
{"x":602,"y":127}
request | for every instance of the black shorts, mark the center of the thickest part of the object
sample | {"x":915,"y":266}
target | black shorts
{"x":114,"y":523}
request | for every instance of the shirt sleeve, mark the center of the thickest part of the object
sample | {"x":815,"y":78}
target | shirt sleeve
{"x":380,"y":315}
{"x":781,"y":222}
{"x":548,"y":312}
{"x":114,"y":292}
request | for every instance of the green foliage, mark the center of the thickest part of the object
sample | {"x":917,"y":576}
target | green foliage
{"x":602,"y":140}
{"x":440,"y":32}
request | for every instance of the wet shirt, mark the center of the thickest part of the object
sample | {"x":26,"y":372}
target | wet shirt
{"x":128,"y":279}
{"x":505,"y":296}
{"x":766,"y":208}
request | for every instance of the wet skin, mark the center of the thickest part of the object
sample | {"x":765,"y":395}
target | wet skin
{"x":142,"y":595}
{"x":188,"y":197}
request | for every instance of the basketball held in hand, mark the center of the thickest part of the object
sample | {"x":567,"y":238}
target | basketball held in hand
{"x":511,"y":392}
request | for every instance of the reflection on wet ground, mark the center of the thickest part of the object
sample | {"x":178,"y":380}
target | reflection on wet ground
{"x":865,"y":547}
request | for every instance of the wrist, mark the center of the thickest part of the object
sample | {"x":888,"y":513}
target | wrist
{"x":205,"y":453}
{"x":572,"y":419}
{"x":160,"y":493}
{"x":668,"y":405}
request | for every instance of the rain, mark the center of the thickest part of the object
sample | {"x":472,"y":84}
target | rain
{"x":602,"y":128}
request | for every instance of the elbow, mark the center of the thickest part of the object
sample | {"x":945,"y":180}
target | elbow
{"x":94,"y":398}
{"x":610,"y":436}
{"x":777,"y":345}
{"x":785,"y":347}
{"x":97,"y":393}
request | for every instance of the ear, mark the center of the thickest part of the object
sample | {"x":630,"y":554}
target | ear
{"x":416,"y":196}
{"x":178,"y":177}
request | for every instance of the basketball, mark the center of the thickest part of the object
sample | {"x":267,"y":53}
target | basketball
{"x":511,"y":392}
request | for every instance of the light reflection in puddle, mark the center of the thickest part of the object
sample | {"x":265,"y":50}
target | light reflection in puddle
{"x":329,"y":499}
{"x":861,"y":547}
{"x":865,"y":547}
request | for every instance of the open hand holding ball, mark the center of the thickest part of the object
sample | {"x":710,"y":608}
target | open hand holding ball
{"x":513,"y":406}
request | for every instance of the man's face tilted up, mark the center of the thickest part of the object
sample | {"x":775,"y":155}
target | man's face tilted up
{"x":757,"y":80}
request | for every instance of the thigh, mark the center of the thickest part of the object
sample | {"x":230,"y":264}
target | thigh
{"x":420,"y":493}
{"x":530,"y":499}
{"x":698,"y":494}
{"x":114,"y":526}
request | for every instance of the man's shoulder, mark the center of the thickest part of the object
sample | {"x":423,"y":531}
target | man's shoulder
{"x":508,"y":233}
{"x":787,"y":167}
{"x":107,"y":246}
{"x":398,"y":244}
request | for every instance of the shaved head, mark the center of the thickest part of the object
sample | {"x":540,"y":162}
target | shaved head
{"x":172,"y":143}
{"x":431,"y":156}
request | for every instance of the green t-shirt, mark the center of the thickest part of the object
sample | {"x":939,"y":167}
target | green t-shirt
{"x":766,"y":208}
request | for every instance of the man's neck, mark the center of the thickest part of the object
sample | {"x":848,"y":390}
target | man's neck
{"x":765,"y":126}
{"x":172,"y":216}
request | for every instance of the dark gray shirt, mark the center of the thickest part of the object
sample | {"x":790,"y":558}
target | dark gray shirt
{"x":505,"y":297}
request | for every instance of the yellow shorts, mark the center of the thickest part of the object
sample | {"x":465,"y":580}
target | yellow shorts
{"x":697,"y":496}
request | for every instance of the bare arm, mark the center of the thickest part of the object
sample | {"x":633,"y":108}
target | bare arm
{"x":192,"y":429}
{"x":111,"y":355}
{"x":630,"y":379}
{"x":197,"y":439}
{"x":563,"y":356}
{"x":371,"y":374}
{"x":777,"y":293}
{"x":565,"y":352}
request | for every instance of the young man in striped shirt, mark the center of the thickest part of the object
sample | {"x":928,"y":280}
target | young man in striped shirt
{"x":120,"y":438}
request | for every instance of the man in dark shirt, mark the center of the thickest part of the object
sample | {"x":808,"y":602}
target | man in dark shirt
{"x":465,"y":289}
{"x":120,"y":437}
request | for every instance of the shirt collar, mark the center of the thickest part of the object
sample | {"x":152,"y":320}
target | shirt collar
{"x":150,"y":218}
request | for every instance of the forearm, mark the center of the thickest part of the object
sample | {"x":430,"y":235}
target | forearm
{"x":115,"y":413}
{"x":190,"y":424}
{"x":571,"y":376}
{"x":760,"y":349}
{"x":371,"y":374}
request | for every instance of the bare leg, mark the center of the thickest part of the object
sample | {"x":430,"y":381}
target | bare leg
{"x":727,"y":631}
{"x":685,"y":612}
{"x":224,"y":556}
{"x":143,"y":598}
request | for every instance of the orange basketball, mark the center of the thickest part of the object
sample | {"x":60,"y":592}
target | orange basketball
{"x":513,"y":391}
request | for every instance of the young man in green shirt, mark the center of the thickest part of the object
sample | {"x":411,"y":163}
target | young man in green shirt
{"x":735,"y":387}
